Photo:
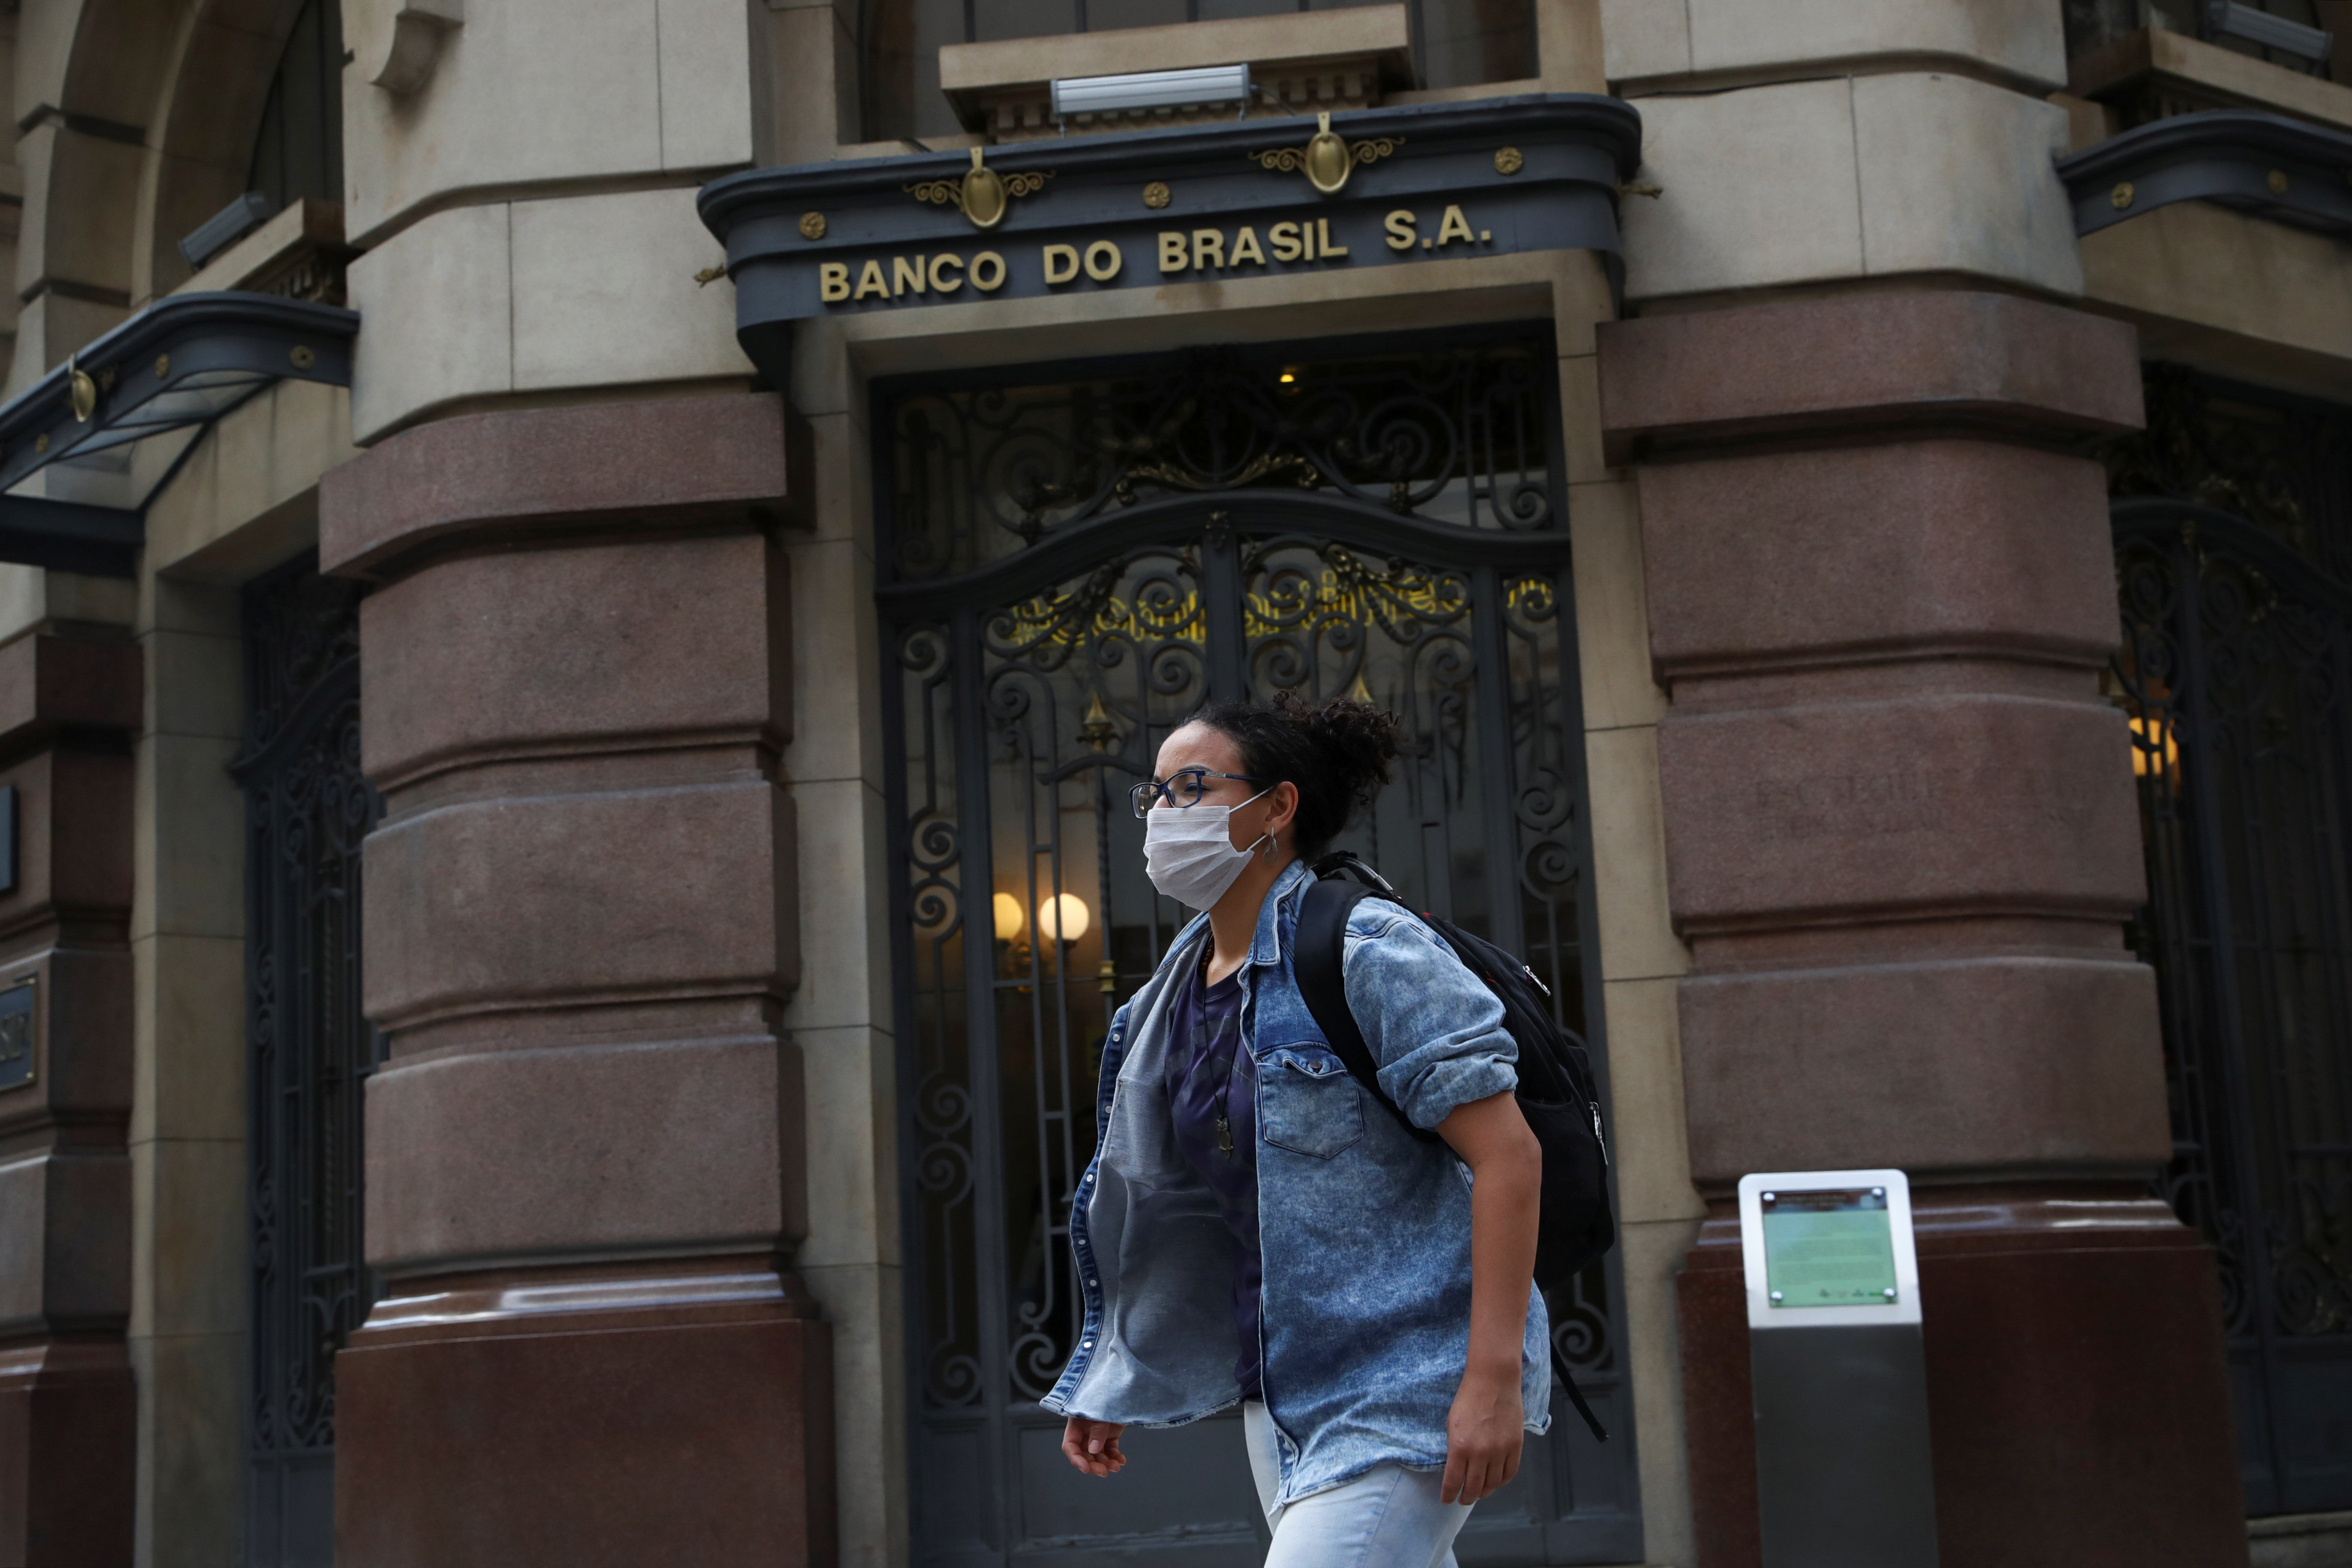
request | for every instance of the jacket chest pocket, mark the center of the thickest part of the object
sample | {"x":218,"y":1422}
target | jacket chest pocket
{"x":1308,"y":1103}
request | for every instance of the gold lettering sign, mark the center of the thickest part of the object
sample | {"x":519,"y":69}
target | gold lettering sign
{"x":1246,"y":248}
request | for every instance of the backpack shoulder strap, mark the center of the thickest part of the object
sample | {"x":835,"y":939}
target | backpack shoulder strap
{"x":1316,"y":962}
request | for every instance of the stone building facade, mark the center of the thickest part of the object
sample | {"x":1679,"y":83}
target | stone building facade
{"x":567,"y":872}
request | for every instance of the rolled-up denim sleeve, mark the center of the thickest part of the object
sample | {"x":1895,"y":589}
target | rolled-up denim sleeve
{"x":1435,"y":1031}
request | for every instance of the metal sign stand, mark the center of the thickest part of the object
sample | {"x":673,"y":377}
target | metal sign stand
{"x":1843,"y":1476}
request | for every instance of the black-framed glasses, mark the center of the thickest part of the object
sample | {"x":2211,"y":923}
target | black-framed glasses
{"x":1181,"y":788}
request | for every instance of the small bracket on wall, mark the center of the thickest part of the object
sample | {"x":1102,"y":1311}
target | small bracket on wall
{"x":19,"y":1035}
{"x":400,"y":41}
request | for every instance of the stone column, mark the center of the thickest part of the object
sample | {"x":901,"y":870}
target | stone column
{"x":585,"y":1161}
{"x":68,"y":709}
{"x":1901,"y":841}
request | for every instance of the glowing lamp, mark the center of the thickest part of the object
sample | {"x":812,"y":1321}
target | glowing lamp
{"x":2156,"y":751}
{"x":1062,"y":918}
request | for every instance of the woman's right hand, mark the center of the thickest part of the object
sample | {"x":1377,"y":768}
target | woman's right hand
{"x":1092,"y":1445}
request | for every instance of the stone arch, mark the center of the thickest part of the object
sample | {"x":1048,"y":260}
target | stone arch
{"x":209,"y":111}
{"x":138,"y":120}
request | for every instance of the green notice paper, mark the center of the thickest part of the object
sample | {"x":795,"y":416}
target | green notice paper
{"x":1829,"y":1249}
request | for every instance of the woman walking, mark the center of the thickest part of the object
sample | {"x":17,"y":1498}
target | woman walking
{"x":1252,"y":1230}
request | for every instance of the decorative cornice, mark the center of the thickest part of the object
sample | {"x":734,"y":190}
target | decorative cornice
{"x":842,"y":238}
{"x":1862,"y":367}
{"x":2288,"y":170}
{"x":532,"y":475}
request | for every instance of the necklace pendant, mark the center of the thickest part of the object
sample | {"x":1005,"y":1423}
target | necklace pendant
{"x":1225,"y":1138}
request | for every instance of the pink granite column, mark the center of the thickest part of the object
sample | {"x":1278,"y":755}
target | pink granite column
{"x":69,"y":1418}
{"x":584,"y":1174}
{"x":1901,"y":841}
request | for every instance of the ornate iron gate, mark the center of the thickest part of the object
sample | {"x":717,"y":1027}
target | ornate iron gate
{"x":2234,"y":547}
{"x":1070,"y":568}
{"x":309,"y":1048}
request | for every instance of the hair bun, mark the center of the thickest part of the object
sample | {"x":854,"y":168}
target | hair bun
{"x":1336,"y":754}
{"x":1358,"y":741}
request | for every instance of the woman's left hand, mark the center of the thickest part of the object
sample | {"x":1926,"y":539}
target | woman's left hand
{"x":1484,"y":1432}
{"x":1487,"y":1426}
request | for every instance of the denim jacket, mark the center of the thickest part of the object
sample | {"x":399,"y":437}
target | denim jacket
{"x":1364,"y":1230}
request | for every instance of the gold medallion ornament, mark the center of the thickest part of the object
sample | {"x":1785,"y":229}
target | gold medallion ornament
{"x":984,"y":195}
{"x":1328,"y":159}
{"x":302,"y":356}
{"x":1508,"y":161}
{"x":1327,"y":163}
{"x":162,"y":367}
{"x":82,"y":391}
{"x":2121,"y":196}
{"x":812,"y":225}
{"x":2277,"y":182}
{"x":1155,"y":195}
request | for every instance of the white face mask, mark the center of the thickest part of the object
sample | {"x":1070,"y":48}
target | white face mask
{"x":1189,"y":853}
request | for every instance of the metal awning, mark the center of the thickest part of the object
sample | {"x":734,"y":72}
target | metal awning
{"x":2287,"y":171}
{"x":1403,"y":187}
{"x":84,"y":449}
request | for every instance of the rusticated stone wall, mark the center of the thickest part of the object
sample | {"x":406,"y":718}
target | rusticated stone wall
{"x":68,"y":708}
{"x":1901,"y":842}
{"x":585,"y":1175}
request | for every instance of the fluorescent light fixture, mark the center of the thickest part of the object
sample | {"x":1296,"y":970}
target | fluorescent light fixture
{"x":225,"y":228}
{"x":2225,"y":19}
{"x":1151,"y":89}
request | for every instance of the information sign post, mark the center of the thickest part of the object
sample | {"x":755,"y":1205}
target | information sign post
{"x":1843,"y":1471}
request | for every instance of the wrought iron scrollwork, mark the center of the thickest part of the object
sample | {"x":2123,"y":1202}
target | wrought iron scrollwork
{"x":1462,"y":436}
{"x":308,"y":808}
{"x":2275,"y":462}
{"x":2233,"y":676}
{"x":2233,"y":538}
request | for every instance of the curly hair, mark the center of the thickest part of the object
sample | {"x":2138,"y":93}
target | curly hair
{"x":1336,"y":754}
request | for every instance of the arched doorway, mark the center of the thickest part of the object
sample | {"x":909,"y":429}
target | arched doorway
{"x":2233,"y":553}
{"x":1072,"y":562}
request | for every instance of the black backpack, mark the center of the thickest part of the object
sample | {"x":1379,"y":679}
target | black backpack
{"x":1556,"y":1092}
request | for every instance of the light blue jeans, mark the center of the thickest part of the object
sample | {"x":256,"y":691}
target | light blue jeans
{"x":1389,"y":1517}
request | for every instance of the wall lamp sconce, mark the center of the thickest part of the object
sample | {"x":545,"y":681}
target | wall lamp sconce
{"x":1151,"y":89}
{"x":2154,"y":750}
{"x":1062,"y":918}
